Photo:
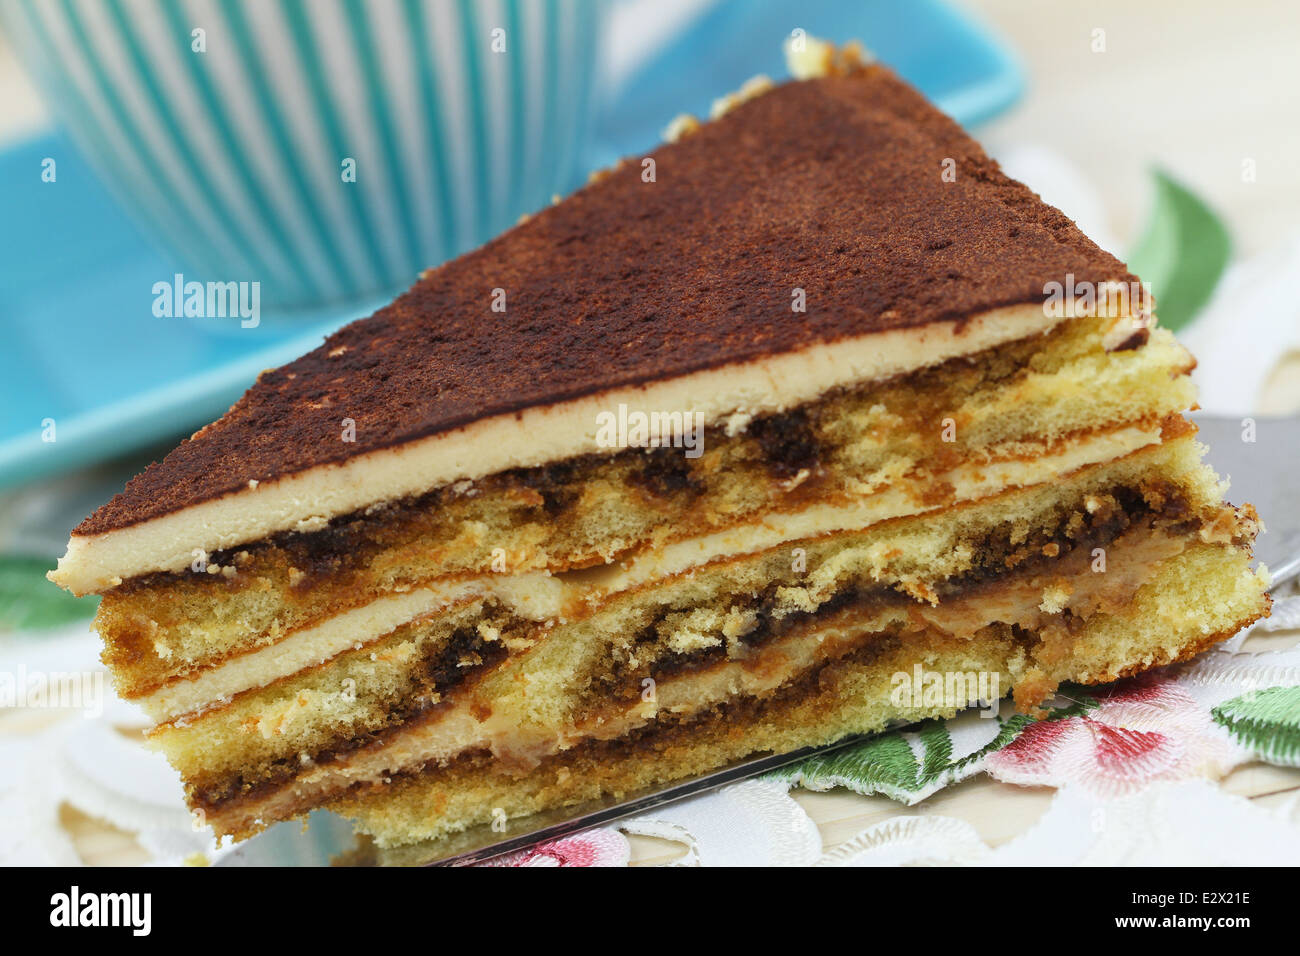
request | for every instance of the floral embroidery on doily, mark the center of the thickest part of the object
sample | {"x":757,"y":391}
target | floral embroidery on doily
{"x":590,"y":848}
{"x":1141,"y":730}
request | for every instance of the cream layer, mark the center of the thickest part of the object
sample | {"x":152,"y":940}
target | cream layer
{"x":307,"y":501}
{"x":542,"y":597}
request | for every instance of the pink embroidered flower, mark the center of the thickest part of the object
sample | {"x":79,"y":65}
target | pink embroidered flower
{"x":591,"y":848}
{"x":1145,"y":729}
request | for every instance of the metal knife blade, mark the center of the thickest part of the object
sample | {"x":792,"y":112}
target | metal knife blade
{"x":1261,"y":459}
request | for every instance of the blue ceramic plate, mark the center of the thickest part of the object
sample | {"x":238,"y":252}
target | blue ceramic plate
{"x":82,"y":349}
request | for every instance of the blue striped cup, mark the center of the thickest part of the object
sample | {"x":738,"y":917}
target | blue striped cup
{"x":327,"y":149}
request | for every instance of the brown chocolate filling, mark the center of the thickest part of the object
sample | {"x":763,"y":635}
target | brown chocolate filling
{"x":667,"y":473}
{"x":788,"y":441}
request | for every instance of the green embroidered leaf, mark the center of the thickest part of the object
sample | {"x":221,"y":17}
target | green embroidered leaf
{"x":1183,"y":251}
{"x":1266,"y":722}
{"x":885,"y":764}
{"x":27,"y":600}
{"x":937,"y":756}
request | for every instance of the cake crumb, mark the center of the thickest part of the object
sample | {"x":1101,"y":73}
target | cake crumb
{"x":681,"y":127}
{"x":812,"y":58}
{"x":1055,"y":598}
{"x":753,"y":87}
{"x":737,"y":423}
{"x":314,"y":523}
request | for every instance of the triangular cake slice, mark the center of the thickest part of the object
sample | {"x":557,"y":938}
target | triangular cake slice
{"x":806,"y":423}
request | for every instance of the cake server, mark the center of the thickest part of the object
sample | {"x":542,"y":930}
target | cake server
{"x":1260,"y":458}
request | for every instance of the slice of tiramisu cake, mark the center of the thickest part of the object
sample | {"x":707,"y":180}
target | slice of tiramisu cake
{"x":690,"y":466}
